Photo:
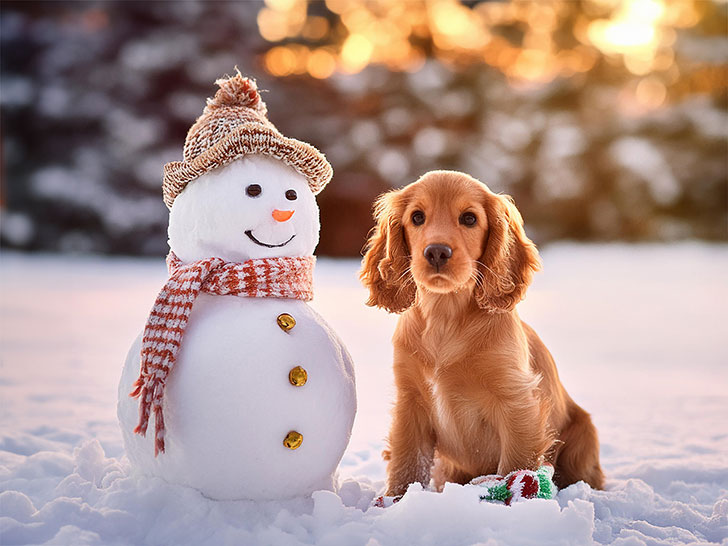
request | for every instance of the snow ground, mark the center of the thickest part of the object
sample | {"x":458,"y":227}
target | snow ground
{"x":638,"y":332}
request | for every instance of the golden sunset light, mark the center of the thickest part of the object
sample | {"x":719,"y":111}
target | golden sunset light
{"x":639,"y":34}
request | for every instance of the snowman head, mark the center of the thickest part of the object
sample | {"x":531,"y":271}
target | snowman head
{"x":254,"y":207}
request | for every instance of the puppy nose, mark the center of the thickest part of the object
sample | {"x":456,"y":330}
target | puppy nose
{"x":438,"y":255}
{"x":282,"y":215}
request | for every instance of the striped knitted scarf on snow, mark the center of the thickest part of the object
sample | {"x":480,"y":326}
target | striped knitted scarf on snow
{"x":286,"y":277}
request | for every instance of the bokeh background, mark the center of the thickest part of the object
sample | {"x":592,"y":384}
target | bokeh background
{"x":605,"y":119}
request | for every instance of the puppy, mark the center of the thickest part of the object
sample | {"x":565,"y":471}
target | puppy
{"x":477,"y":390}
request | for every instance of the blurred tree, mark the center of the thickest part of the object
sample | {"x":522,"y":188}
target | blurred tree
{"x":96,"y":97}
{"x":605,"y":119}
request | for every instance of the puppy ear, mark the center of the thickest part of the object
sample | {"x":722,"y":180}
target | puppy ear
{"x":385,"y":268}
{"x":509,"y":259}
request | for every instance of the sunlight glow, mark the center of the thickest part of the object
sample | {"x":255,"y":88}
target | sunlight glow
{"x":356,"y":52}
{"x":633,"y":31}
{"x":321,"y":64}
{"x":401,"y":34}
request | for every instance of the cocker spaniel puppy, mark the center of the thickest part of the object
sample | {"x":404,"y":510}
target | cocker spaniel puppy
{"x":477,"y":390}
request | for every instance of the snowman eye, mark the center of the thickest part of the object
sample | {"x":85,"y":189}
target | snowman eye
{"x":291,"y":195}
{"x":254,"y":190}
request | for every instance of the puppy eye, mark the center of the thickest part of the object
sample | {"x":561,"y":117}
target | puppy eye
{"x":468,"y":219}
{"x":254,"y":190}
{"x":291,"y":195}
{"x":418,"y":217}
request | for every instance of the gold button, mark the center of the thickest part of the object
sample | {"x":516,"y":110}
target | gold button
{"x":298,"y":376}
{"x":286,"y":322}
{"x":293,"y":440}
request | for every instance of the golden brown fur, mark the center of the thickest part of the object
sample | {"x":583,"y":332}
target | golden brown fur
{"x":477,"y":390}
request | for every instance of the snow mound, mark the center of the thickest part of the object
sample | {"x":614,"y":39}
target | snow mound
{"x":51,"y":498}
{"x":92,"y":499}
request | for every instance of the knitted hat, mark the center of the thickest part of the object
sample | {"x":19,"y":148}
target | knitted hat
{"x":234,"y":124}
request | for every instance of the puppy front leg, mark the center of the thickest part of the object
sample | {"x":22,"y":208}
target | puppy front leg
{"x":411,"y":436}
{"x":524,"y":436}
{"x":411,"y":443}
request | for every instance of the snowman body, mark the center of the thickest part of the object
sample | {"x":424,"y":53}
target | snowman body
{"x":236,"y":390}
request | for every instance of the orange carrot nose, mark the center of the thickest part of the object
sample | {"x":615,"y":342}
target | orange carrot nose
{"x":282,"y":215}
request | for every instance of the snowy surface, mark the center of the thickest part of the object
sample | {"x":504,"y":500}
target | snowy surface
{"x":639,"y":334}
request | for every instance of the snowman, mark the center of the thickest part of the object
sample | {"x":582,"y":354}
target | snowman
{"x":237,"y":387}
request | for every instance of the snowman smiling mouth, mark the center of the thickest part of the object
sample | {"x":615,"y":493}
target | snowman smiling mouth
{"x":249,"y":233}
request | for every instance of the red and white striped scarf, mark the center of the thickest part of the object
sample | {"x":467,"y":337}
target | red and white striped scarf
{"x":286,"y":277}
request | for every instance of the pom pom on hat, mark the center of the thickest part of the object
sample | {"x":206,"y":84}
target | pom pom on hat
{"x":237,"y":91}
